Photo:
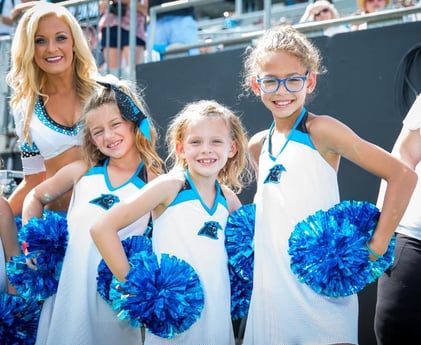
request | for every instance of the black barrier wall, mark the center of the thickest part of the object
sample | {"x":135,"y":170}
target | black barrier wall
{"x":360,"y":89}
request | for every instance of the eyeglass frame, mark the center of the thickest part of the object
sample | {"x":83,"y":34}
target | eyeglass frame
{"x":303,"y":78}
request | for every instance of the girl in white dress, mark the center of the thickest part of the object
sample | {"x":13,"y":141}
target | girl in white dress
{"x":297,"y":160}
{"x":120,"y":159}
{"x":209,"y":145}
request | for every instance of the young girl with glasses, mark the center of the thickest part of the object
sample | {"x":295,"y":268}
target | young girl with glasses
{"x":296,"y":161}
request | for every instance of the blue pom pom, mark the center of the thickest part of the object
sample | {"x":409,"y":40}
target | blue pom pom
{"x":239,"y":243}
{"x":131,"y":245}
{"x":328,"y":250}
{"x":46,"y":241}
{"x":18,"y":320}
{"x":166,"y":298}
{"x":30,"y":283}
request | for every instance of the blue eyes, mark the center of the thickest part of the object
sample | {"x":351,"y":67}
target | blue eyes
{"x":41,"y":40}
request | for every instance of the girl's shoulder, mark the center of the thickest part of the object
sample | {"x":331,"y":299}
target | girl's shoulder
{"x":323,"y":124}
{"x":257,"y":138}
{"x":78,"y":165}
{"x":255,"y":146}
{"x":232,"y":198}
{"x":170,"y":182}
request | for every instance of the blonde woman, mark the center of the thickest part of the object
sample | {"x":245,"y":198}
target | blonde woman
{"x":52,"y":74}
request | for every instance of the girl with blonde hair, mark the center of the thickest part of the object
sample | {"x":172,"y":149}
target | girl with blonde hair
{"x":189,"y":206}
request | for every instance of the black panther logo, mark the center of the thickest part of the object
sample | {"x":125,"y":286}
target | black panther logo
{"x":275,"y":173}
{"x":106,"y":201}
{"x":210,"y":229}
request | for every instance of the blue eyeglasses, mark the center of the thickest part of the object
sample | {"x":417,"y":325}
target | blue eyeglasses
{"x":291,"y":84}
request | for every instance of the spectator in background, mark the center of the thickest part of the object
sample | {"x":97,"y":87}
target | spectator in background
{"x":371,"y":6}
{"x":175,"y":27}
{"x":10,"y":12}
{"x":110,"y":26}
{"x":366,"y":7}
{"x":321,"y":10}
{"x":20,"y":7}
{"x":92,"y":37}
{"x":6,"y":19}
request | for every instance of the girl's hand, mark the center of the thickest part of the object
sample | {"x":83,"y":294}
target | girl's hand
{"x":31,"y":262}
{"x":373,"y":253}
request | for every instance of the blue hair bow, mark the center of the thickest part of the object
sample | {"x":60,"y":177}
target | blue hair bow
{"x":129,"y":110}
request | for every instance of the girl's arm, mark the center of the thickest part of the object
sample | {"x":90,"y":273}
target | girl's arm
{"x":332,"y":137}
{"x":51,"y":189}
{"x":255,"y":147}
{"x":143,"y":7}
{"x":27,"y":184}
{"x":8,"y":230}
{"x":155,"y":197}
{"x":232,"y":199}
{"x":8,"y":235}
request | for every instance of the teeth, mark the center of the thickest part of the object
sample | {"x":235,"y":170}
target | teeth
{"x":207,"y":161}
{"x":54,"y":59}
{"x":282,"y":102}
{"x":113,"y":145}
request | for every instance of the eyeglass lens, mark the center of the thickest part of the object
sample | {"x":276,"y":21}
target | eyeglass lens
{"x":292,"y":84}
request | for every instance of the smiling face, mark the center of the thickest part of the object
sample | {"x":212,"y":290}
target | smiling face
{"x":206,"y":146}
{"x":283,"y":103}
{"x":110,"y":133}
{"x":53,"y":46}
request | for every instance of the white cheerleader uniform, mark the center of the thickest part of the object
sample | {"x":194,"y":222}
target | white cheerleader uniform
{"x":181,"y":231}
{"x":77,"y":314}
{"x":49,"y":138}
{"x":283,"y":311}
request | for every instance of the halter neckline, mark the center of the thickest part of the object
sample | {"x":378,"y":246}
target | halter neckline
{"x":297,"y":121}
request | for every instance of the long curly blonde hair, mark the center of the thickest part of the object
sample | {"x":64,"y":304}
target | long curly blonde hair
{"x":26,"y":79}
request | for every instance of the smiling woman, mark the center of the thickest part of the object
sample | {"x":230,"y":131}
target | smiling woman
{"x":52,"y":74}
